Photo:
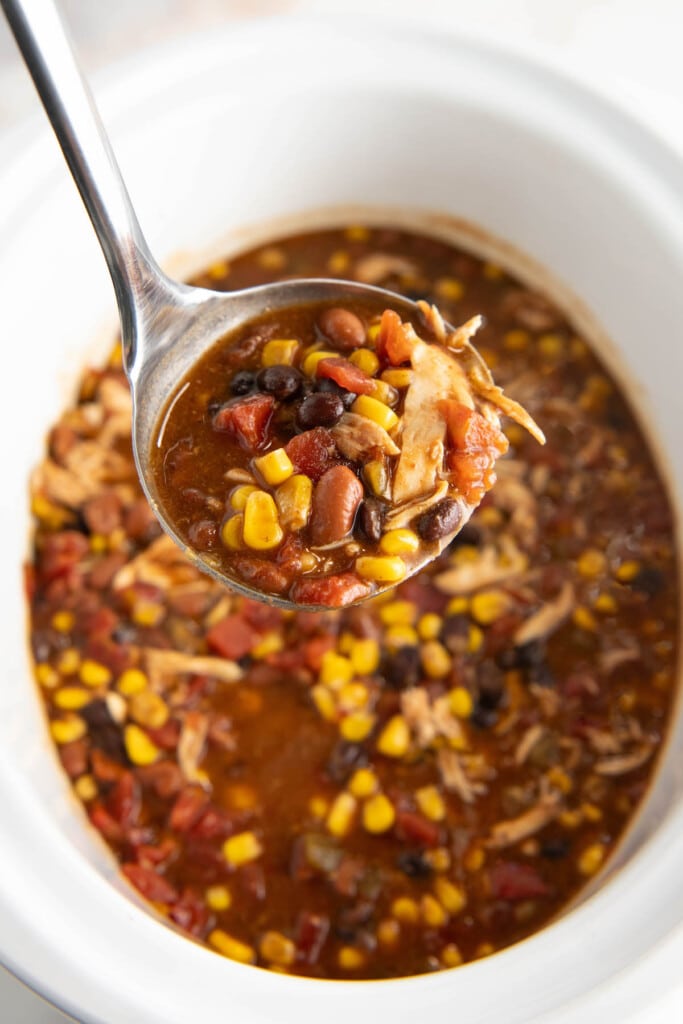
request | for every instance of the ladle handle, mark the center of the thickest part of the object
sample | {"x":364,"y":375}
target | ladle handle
{"x":50,"y":59}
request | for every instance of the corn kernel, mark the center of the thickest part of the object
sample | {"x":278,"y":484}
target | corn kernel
{"x":219,"y":269}
{"x":627,"y":571}
{"x":431,"y":912}
{"x":449,"y":288}
{"x":85,"y":788}
{"x":435,"y":659}
{"x":401,"y":636}
{"x":279,"y":352}
{"x":376,"y":411}
{"x":293,"y":499}
{"x":92,"y":673}
{"x":339,"y":262}
{"x":218,"y":897}
{"x":275,"y":467}
{"x":139,"y":747}
{"x":270,"y":643}
{"x":363,"y":783}
{"x":475,"y":639}
{"x":378,"y":814}
{"x":489,"y":516}
{"x":231,"y":532}
{"x":398,"y":613}
{"x":583,"y":618}
{"x":399,"y":542}
{"x":364,"y":656}
{"x":148,"y":709}
{"x":310,"y":363}
{"x":558,"y":778}
{"x":324,"y":702}
{"x":570,"y":819}
{"x":231,"y":947}
{"x":484,"y":949}
{"x":429,"y":626}
{"x":356,"y":726}
{"x":341,"y":816}
{"x":388,"y":932}
{"x":238,"y":497}
{"x":394,"y":740}
{"x":489,"y":605}
{"x":353,"y":696}
{"x":516,"y":340}
{"x":68,"y":729}
{"x":373,"y":332}
{"x":242,"y":849}
{"x":431,"y":803}
{"x":460,"y":702}
{"x":605,"y":604}
{"x":63,"y":622}
{"x":457,"y":606}
{"x":147,"y":613}
{"x":450,"y":896}
{"x":276,"y":948}
{"x":492,"y":272}
{"x":398,"y":378}
{"x":350,"y":959}
{"x":335,"y":670}
{"x":71,"y":698}
{"x":131,"y":681}
{"x":451,"y":955}
{"x":381,"y":568}
{"x":366,"y":360}
{"x":51,"y":515}
{"x":550,"y":346}
{"x":241,"y":797}
{"x":438,"y":859}
{"x":272,"y":258}
{"x":46,"y":675}
{"x":69,"y":661}
{"x":474,"y":859}
{"x":590,"y":860}
{"x":591,"y":563}
{"x":376,"y":477}
{"x":261,"y":530}
{"x":357,"y":233}
{"x":405,"y":910}
{"x":384,"y":393}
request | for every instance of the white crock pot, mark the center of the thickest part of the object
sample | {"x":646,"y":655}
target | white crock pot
{"x":261,"y":125}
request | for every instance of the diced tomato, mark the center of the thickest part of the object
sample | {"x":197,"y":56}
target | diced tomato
{"x":149,"y":855}
{"x":166,"y":736}
{"x":104,"y":823}
{"x":164,"y":777}
{"x":232,"y":637}
{"x":346,"y":375}
{"x":395,"y":341}
{"x":311,"y":932}
{"x":101,"y":623}
{"x":214,"y":824}
{"x":191,"y":913}
{"x":150,"y":884}
{"x":190,"y":805}
{"x":259,"y":615}
{"x":330,"y":591}
{"x":124,"y":802}
{"x":469,"y":431}
{"x":314,"y":649}
{"x":413,"y":827}
{"x":472,"y":473}
{"x":61,"y":553}
{"x":247,"y":419}
{"x":313,"y":452}
{"x":426,"y":598}
{"x":512,"y":881}
{"x":74,"y":758}
{"x":105,"y":768}
{"x":346,"y":877}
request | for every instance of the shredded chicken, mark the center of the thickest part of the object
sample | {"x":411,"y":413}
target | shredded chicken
{"x":528,"y":741}
{"x":403,"y":515}
{"x":617,"y":656}
{"x":620,"y":764}
{"x":514,"y":830}
{"x":62,"y":486}
{"x":378,"y":266}
{"x":161,"y":663}
{"x":191,"y":745}
{"x":601,"y":741}
{"x":114,"y":394}
{"x":428,"y":720}
{"x":455,"y":778}
{"x":356,"y":436}
{"x":548,"y":618}
{"x":490,"y":567}
{"x":514,"y":497}
{"x":162,"y":564}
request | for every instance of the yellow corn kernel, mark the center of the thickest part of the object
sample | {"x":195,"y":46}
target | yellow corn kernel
{"x":474,"y":859}
{"x":279,"y":352}
{"x":350,"y":959}
{"x":231,"y":947}
{"x":429,"y":626}
{"x":117,"y":539}
{"x":356,"y":726}
{"x":147,"y":613}
{"x":435,"y":659}
{"x":399,"y":542}
{"x":345,"y":642}
{"x":460,"y":702}
{"x":353,"y":696}
{"x":431,"y":912}
{"x":242,"y":849}
{"x":364,"y":656}
{"x":85,"y":788}
{"x":341,"y":815}
{"x":272,"y":258}
{"x":46,"y":675}
{"x":492,"y":272}
{"x":591,"y":563}
{"x":516,"y":340}
{"x":98,"y":543}
{"x":275,"y":467}
{"x":241,"y":796}
{"x":484,"y":949}
{"x":394,"y":739}
{"x":605,"y":604}
{"x":238,"y":498}
{"x":570,"y":818}
{"x":450,"y":896}
{"x":401,"y":636}
{"x":405,"y":910}
{"x":558,"y":778}
{"x":339,"y":262}
{"x":318,"y":806}
{"x":69,"y":661}
{"x":335,"y":670}
{"x":63,"y":622}
{"x":488,"y":605}
{"x":139,"y":747}
{"x":131,"y":681}
{"x":383,"y":392}
{"x":388,"y":932}
{"x":276,"y":948}
{"x":378,"y":814}
{"x":451,"y":956}
{"x":398,"y":378}
{"x":431,"y":803}
{"x":583,"y":618}
{"x":324,"y":702}
{"x":373,"y":332}
{"x":590,"y":860}
{"x":261,"y":530}
{"x":71,"y":698}
{"x":398,"y":613}
{"x":457,"y":606}
{"x":219,"y":269}
{"x":270,"y":643}
{"x":363,"y":783}
{"x":475,"y":639}
{"x":449,"y":288}
{"x":366,"y":360}
{"x":378,"y":412}
{"x":218,"y":897}
{"x":627,"y":571}
{"x":381,"y":568}
{"x":293,"y":499}
{"x":68,"y":729}
{"x":438,"y":859}
{"x":376,"y":477}
{"x":490,"y":516}
{"x":51,"y":515}
{"x":310,"y":363}
{"x":92,"y":673}
{"x":232,"y":531}
{"x":357,"y":233}
{"x":148,"y":709}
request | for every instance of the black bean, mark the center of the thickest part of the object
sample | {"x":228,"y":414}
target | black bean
{"x":370,"y":516}
{"x":483,"y":718}
{"x":319,"y":410}
{"x":414,"y":864}
{"x":344,"y":760}
{"x":490,"y":686}
{"x":439,"y":520}
{"x":402,"y":668}
{"x":281,"y":381}
{"x":455,"y":633}
{"x":526,"y":656}
{"x":555,"y":849}
{"x":326,"y":386}
{"x":649,"y":581}
{"x":104,"y":732}
{"x":243,"y":382}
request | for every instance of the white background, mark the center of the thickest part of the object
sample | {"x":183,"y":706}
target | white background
{"x":631,"y":49}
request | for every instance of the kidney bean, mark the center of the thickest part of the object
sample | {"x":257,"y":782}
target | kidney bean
{"x":262,"y":574}
{"x":149,"y":883}
{"x":331,"y":591}
{"x":336,"y":498}
{"x":243,"y":382}
{"x":344,"y":329}
{"x":203,"y":534}
{"x":370,"y":518}
{"x":321,"y":409}
{"x":281,"y":381}
{"x":439,"y":520}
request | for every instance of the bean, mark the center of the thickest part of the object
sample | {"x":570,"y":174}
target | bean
{"x":203,"y":534}
{"x":330,"y":387}
{"x":343,"y":328}
{"x":319,"y":410}
{"x":439,"y":520}
{"x":281,"y":381}
{"x":370,"y":518}
{"x":243,"y":382}
{"x":336,"y":498}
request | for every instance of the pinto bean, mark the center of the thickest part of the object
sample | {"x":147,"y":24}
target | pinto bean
{"x":336,"y":498}
{"x":344,"y":329}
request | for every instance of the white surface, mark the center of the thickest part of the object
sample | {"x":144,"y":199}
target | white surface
{"x":607,"y":41}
